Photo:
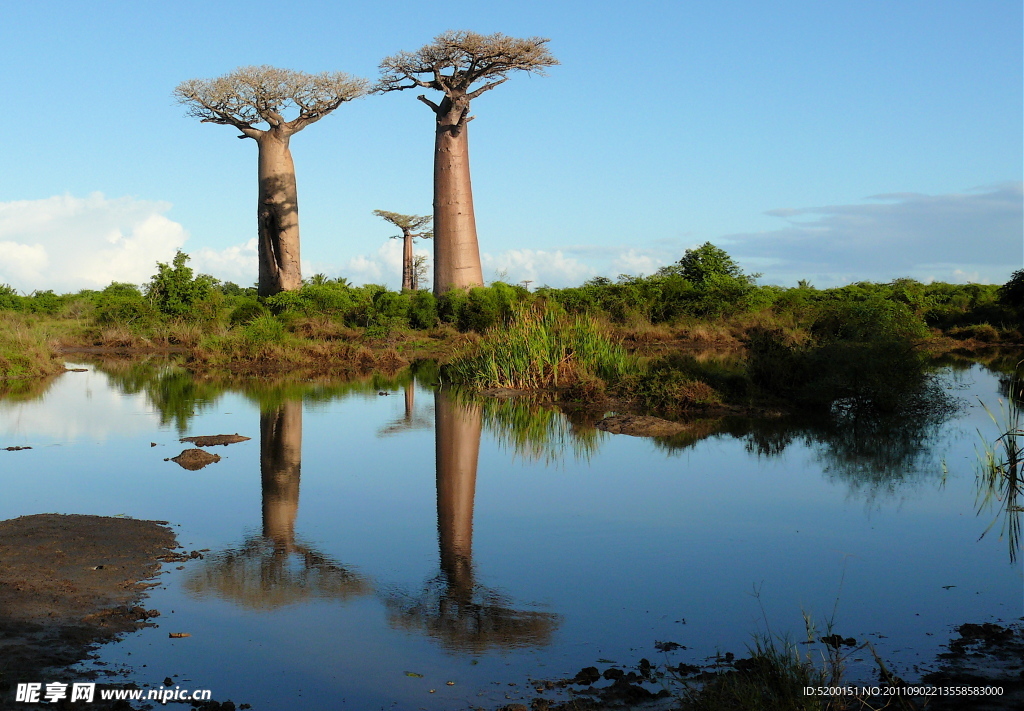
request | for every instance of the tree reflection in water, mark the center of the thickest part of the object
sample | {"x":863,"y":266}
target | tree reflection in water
{"x":410,"y":419}
{"x":453,"y":608}
{"x":276,"y":568}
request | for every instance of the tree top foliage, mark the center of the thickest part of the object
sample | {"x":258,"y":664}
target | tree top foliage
{"x":455,"y":60}
{"x":706,"y":263}
{"x":407,"y":223}
{"x":253,"y":95}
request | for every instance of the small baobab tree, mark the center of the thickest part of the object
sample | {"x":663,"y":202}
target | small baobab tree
{"x":462,"y":65}
{"x":411,"y":227}
{"x":247,"y":98}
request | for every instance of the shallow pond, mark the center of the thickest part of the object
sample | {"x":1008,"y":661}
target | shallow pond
{"x":375,"y":540}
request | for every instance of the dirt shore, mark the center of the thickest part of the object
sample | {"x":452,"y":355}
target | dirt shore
{"x":67,"y":584}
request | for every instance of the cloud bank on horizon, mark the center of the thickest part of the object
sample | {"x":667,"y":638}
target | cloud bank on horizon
{"x":67,"y":243}
{"x":976,"y":236}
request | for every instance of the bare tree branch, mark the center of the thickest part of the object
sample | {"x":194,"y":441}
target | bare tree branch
{"x":428,"y":102}
{"x":486,"y":87}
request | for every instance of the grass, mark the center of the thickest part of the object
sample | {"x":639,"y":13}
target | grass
{"x":25,"y":348}
{"x":541,"y":348}
{"x":773,"y":678}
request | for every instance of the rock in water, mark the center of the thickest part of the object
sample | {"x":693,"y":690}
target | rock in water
{"x":193,"y":459}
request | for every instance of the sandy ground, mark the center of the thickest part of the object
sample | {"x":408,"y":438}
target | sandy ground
{"x":67,"y":584}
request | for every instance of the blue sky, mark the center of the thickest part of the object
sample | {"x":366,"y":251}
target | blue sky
{"x":834,"y":141}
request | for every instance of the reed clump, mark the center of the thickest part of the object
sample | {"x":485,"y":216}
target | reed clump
{"x":541,"y":347}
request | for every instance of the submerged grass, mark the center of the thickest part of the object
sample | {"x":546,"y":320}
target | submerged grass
{"x":541,"y":348}
{"x":999,"y":482}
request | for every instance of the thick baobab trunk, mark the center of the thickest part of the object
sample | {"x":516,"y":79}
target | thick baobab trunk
{"x":407,"y":277}
{"x":456,"y":252}
{"x":457,"y":430}
{"x":280,"y":468}
{"x":278,"y":216}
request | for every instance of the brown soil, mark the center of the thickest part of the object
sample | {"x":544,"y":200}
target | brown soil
{"x":214,"y":440}
{"x":194,"y":459}
{"x":69,"y":583}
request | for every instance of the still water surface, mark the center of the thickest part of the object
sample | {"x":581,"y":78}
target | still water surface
{"x":358,"y":537}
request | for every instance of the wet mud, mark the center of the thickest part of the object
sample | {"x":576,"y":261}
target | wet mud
{"x":69,"y":583}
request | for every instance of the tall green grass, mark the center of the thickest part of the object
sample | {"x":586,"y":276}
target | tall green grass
{"x":24,"y":349}
{"x":540,"y":348}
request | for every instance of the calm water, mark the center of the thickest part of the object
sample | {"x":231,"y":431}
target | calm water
{"x":358,"y":537}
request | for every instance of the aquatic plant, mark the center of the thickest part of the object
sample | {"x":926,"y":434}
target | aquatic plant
{"x":999,"y":482}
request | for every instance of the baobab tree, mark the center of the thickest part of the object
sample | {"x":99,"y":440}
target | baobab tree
{"x":462,"y":65}
{"x":247,"y":98}
{"x":412,"y":227}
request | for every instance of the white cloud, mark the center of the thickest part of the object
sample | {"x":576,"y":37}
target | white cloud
{"x":382,"y":267}
{"x":67,"y":243}
{"x":977,"y":236}
{"x":638,"y":261}
{"x":538,"y":265}
{"x":238,"y":263}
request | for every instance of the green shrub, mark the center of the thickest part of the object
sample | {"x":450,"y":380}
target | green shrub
{"x":245,"y":310}
{"x":450,"y":305}
{"x":174,"y":291}
{"x":124,"y":304}
{"x":286,"y":302}
{"x":1011,"y":294}
{"x":870,"y":320}
{"x":10,"y":300}
{"x":44,"y":302}
{"x":422,"y":310}
{"x":329,"y":298}
{"x":483,"y":309}
{"x":264,"y":329}
{"x":389,"y":310}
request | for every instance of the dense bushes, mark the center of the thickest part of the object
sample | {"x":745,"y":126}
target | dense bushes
{"x":802,"y":326}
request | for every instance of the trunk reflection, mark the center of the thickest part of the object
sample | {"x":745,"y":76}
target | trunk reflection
{"x":276,"y":568}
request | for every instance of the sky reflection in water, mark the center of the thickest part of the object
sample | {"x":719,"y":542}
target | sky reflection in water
{"x":358,"y":537}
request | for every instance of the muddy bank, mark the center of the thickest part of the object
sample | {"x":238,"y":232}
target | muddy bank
{"x":69,"y":583}
{"x":983,"y":655}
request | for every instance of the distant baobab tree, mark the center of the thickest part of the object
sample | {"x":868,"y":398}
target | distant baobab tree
{"x":250,"y":96}
{"x":419,"y":271}
{"x":454,"y":63}
{"x":411,"y":227}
